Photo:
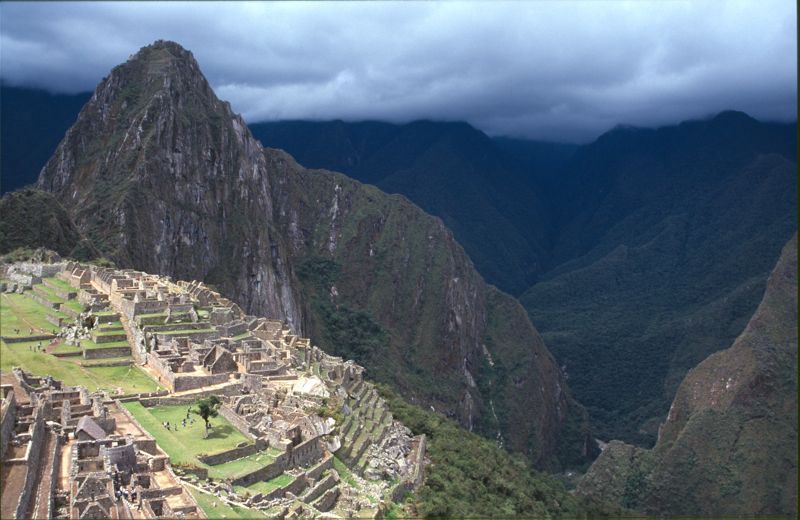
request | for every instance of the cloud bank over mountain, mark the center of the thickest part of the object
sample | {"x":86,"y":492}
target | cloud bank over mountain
{"x":544,"y":70}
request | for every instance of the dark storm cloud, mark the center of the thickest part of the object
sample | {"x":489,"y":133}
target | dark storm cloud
{"x":547,"y":70}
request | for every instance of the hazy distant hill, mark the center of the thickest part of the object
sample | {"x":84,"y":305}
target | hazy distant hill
{"x":664,"y":245}
{"x":33,"y":122}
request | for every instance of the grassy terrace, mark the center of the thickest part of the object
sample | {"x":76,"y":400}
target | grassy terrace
{"x":186,"y":444}
{"x":214,"y":508}
{"x":266,"y":486}
{"x":88,"y":344}
{"x":19,"y":311}
{"x":61,"y":284}
{"x":74,"y":305}
{"x":130,"y":379}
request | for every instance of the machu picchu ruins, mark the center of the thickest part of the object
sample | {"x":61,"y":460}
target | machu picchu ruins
{"x":297,"y":432}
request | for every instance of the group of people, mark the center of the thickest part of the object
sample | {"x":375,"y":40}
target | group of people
{"x":37,"y":348}
{"x":187,"y":421}
{"x":123,"y":492}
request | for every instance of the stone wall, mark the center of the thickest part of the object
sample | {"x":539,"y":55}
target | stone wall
{"x":8,"y":414}
{"x":181,"y":383}
{"x":232,"y":454}
{"x":34,"y":457}
{"x":108,"y":352}
{"x":270,"y":471}
{"x":54,"y":474}
{"x":239,"y":422}
{"x":20,"y":339}
{"x":412,"y":481}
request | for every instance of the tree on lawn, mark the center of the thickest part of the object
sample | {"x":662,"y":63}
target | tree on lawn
{"x":207,"y":408}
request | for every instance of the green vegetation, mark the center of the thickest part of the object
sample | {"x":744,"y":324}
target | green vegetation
{"x":206,"y":408}
{"x":33,"y":218}
{"x":216,"y":509}
{"x":129,"y":379}
{"x":185,"y":444}
{"x":20,"y":311}
{"x":266,"y":486}
{"x":471,"y":477}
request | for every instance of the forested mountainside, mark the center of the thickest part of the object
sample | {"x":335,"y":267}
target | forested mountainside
{"x":163,"y":176}
{"x":666,"y":239}
{"x":483,"y":193}
{"x":729,"y":443}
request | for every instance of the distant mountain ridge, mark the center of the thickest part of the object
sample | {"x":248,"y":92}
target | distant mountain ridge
{"x":665,"y":241}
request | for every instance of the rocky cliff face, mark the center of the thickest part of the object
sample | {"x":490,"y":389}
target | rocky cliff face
{"x":729,"y":443}
{"x":164,"y":177}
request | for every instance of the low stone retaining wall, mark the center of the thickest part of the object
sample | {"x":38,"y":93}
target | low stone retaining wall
{"x":54,"y":320}
{"x":120,"y":363}
{"x":412,"y":481}
{"x":108,"y":352}
{"x":76,"y":353}
{"x":34,"y":460}
{"x":22,"y":339}
{"x":270,"y":471}
{"x":58,"y":291}
{"x":233,"y":453}
{"x":109,"y":338}
{"x":239,"y":422}
{"x":8,"y":415}
{"x":54,"y":474}
{"x":167,"y":401}
{"x":38,"y":298}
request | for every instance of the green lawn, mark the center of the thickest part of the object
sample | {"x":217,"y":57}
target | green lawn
{"x":17,"y":311}
{"x":266,"y":486}
{"x":130,"y":378}
{"x":61,"y":284}
{"x":184,"y":445}
{"x":20,"y":311}
{"x":109,"y":332}
{"x":75,"y":305}
{"x":88,"y":344}
{"x":47,"y":292}
{"x":215,"y":508}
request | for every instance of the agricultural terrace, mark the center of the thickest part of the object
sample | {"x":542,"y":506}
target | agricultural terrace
{"x":20,"y":311}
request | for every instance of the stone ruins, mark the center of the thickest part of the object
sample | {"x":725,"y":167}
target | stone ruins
{"x":67,"y":453}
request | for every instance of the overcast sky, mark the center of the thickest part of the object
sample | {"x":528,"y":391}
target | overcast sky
{"x":549,"y":70}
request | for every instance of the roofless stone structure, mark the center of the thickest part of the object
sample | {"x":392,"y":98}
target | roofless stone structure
{"x":298,"y":408}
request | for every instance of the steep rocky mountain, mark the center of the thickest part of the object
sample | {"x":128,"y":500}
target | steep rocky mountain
{"x":164,"y":177}
{"x":665,"y":240}
{"x":488,"y":197}
{"x":729,"y":443}
{"x":34,"y":121}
